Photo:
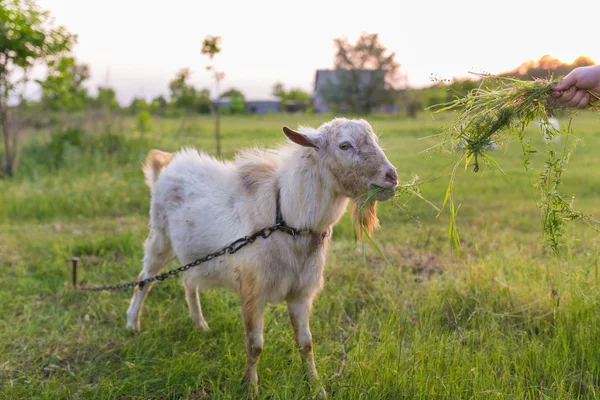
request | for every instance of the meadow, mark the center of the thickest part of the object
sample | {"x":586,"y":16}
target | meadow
{"x":503,"y":319}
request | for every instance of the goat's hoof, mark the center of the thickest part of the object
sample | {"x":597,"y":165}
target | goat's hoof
{"x":249,"y":384}
{"x":202,"y":324}
{"x":133,"y":326}
{"x":250,"y":388}
{"x":321,"y":393}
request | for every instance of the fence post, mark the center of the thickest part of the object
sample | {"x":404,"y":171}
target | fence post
{"x":74,"y":260}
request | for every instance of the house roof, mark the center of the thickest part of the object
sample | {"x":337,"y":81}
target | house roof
{"x":263,"y":101}
{"x":226,"y":100}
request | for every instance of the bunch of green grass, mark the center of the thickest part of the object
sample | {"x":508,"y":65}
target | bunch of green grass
{"x":499,"y":111}
{"x":403,"y":194}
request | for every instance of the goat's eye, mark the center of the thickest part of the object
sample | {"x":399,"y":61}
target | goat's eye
{"x":345,"y":146}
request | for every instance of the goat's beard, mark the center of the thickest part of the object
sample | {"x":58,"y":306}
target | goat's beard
{"x":364,"y":217}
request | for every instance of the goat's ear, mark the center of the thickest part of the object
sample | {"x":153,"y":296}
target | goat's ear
{"x":301,"y":138}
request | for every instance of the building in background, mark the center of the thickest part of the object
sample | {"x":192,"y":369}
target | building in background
{"x":291,"y":106}
{"x":251,"y":106}
{"x":263,"y":106}
{"x":327,"y":79}
{"x":224,"y":104}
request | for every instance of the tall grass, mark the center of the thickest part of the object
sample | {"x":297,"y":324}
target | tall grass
{"x":423,"y":325}
{"x":500,"y":110}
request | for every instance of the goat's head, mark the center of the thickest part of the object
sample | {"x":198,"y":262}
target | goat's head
{"x":347,"y":150}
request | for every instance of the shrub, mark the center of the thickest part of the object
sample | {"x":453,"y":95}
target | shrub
{"x":63,"y":143}
{"x":76,"y":149}
{"x":143,"y":121}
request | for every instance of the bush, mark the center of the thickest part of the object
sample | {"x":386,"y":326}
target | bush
{"x":76,"y":149}
{"x":143,"y":121}
{"x":108,"y":144}
{"x":63,"y":143}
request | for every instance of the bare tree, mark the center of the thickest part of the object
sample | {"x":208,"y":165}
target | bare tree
{"x":211,"y":46}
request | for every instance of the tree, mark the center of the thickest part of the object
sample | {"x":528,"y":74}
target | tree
{"x":158,"y":106}
{"x":547,"y":65}
{"x":279,"y":90}
{"x":63,"y":89}
{"x":294,"y":94}
{"x":106,"y":98}
{"x":233,"y":92}
{"x":297,"y":95}
{"x":365,"y":75}
{"x":185,"y":97}
{"x":137,"y":105}
{"x":182,"y":94}
{"x":203,"y":103}
{"x":293,"y":100}
{"x":27,"y":38}
{"x":143,"y":121}
{"x":237,"y":101}
{"x":211,"y":46}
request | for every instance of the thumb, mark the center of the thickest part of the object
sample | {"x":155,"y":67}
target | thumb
{"x":567,"y":82}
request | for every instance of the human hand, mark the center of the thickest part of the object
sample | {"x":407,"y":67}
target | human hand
{"x":573,"y":89}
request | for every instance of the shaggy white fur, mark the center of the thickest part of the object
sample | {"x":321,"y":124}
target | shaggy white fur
{"x":200,"y":205}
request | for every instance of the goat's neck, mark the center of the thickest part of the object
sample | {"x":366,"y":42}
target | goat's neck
{"x":308,"y":194}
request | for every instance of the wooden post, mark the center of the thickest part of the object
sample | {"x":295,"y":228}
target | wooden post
{"x":74,"y":271}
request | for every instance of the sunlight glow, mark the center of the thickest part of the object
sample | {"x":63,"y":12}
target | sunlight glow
{"x":138,"y":46}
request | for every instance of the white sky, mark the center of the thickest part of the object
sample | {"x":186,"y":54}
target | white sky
{"x":144,"y":43}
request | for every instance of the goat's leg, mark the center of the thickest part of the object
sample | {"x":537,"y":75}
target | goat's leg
{"x":157,"y":253}
{"x":193,"y":299}
{"x":252,"y":313}
{"x":299,"y":312}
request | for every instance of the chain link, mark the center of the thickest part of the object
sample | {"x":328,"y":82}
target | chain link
{"x":231,"y":249}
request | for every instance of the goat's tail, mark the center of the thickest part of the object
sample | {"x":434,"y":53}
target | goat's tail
{"x":155,"y":162}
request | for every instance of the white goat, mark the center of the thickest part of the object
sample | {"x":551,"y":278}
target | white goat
{"x":200,"y":205}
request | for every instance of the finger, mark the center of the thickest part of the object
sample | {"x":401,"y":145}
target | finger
{"x":576,"y":98}
{"x":567,"y":95}
{"x":560,"y":86}
{"x":551,"y":100}
{"x":568,"y":81}
{"x":585,"y":101}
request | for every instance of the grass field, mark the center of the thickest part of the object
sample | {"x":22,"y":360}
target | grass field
{"x":505,"y":320}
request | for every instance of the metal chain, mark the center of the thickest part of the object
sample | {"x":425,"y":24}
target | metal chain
{"x":231,"y":249}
